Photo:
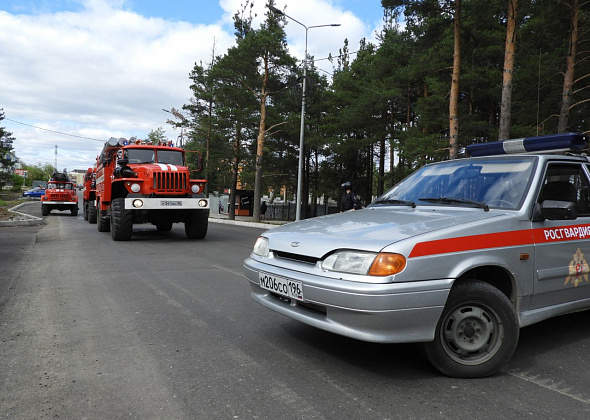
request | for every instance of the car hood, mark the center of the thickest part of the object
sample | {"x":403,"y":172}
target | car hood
{"x":370,"y":229}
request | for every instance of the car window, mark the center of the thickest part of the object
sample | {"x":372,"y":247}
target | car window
{"x":567,"y":182}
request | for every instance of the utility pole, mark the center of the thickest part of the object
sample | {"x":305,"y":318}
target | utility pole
{"x":55,"y":162}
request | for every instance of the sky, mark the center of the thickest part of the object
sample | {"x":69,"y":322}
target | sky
{"x":74,"y":73}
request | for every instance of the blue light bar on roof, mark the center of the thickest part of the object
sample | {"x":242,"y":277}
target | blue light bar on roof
{"x":550,"y":143}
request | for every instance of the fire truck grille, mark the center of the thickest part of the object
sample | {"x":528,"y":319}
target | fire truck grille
{"x":60,"y":197}
{"x":170,"y":181}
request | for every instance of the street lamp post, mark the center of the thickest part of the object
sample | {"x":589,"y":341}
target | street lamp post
{"x":302,"y":127}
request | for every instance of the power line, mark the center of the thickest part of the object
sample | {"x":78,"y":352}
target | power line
{"x":53,"y":131}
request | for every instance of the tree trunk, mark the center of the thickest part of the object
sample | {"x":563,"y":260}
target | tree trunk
{"x":454,"y":100}
{"x":568,"y":77}
{"x":380,"y":180}
{"x":260,"y":144}
{"x":506,"y":106}
{"x":234,"y":176}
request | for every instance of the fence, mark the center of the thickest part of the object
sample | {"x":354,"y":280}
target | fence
{"x":288,"y":210}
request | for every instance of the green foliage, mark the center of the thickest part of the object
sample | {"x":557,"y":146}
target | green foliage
{"x":6,"y":156}
{"x":17,"y":183}
{"x":156,"y":136}
{"x":38,"y":172}
{"x":385,"y":110}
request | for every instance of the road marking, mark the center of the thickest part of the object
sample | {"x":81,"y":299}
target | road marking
{"x":556,"y":386}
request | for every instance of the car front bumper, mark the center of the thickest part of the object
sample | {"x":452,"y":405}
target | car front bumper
{"x":385,"y":313}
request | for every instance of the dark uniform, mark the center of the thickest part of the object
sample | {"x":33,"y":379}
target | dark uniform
{"x":349,"y":200}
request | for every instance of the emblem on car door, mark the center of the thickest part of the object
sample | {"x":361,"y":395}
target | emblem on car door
{"x":295,"y":244}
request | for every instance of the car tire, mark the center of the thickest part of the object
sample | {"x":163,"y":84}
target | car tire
{"x":45,"y":210}
{"x":74,"y":211}
{"x":91,"y":212}
{"x":196,"y":223}
{"x":85,"y":210}
{"x":121,"y":220}
{"x":476,"y":334}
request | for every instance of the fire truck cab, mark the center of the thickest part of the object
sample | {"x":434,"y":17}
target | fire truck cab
{"x":138,"y":182}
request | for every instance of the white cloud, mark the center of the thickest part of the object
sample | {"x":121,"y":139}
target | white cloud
{"x":107,"y":71}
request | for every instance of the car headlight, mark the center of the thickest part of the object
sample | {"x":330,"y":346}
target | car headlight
{"x":135,"y":187}
{"x":365,"y":263}
{"x":195,"y":188}
{"x":261,"y":247}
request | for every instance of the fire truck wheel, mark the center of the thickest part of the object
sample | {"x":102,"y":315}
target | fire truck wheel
{"x":103,"y":223}
{"x":196,"y":223}
{"x":165,"y":226}
{"x":477,"y":332}
{"x":91,"y":212}
{"x":74,"y":211}
{"x":121,"y":220}
{"x":45,"y":210}
{"x":85,"y":211}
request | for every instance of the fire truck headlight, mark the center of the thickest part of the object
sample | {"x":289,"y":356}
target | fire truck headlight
{"x":195,"y":188}
{"x":135,"y":187}
{"x":137,"y":203}
{"x":202,"y":203}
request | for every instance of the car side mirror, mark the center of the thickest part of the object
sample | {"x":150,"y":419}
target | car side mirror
{"x":554,"y":210}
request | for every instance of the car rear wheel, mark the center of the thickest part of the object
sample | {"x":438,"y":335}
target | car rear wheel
{"x":477,"y":332}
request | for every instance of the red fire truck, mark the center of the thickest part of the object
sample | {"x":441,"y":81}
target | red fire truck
{"x":138,"y":182}
{"x":60,"y":194}
{"x":89,"y":195}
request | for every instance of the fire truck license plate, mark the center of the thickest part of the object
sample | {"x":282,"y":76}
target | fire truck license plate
{"x":171,"y":203}
{"x":281,"y":285}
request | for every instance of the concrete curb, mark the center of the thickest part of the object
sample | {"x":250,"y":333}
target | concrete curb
{"x":22,"y":218}
{"x":246,"y":224}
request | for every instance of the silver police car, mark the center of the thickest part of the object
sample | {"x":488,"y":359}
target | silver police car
{"x":460,"y":255}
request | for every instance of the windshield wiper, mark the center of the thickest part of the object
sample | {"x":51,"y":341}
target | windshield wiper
{"x":446,"y":200}
{"x":397,"y":202}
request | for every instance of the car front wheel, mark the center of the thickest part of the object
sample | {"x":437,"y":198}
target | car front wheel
{"x":477,"y":332}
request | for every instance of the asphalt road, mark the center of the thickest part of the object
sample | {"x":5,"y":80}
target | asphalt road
{"x":164,"y":328}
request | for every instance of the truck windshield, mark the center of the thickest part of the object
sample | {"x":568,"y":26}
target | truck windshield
{"x":497,"y":183}
{"x":171,"y":157}
{"x":141,"y":155}
{"x":58,"y":186}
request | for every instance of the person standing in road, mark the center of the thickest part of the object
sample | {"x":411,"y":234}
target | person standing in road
{"x":349,"y":200}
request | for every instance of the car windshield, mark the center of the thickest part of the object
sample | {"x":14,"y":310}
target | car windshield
{"x":172,"y":157}
{"x":496,"y":183}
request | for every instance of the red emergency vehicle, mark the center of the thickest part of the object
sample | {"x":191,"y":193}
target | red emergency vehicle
{"x":89,"y":195}
{"x":60,"y":194}
{"x":138,"y":182}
